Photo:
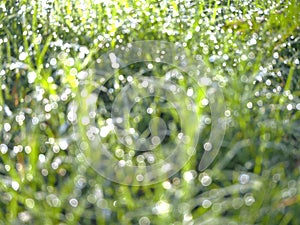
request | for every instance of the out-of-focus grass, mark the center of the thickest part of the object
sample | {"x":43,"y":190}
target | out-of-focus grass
{"x":252,"y":49}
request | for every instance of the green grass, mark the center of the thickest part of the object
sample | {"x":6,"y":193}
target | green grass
{"x":252,"y":51}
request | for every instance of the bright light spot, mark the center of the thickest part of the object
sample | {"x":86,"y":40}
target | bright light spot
{"x":48,"y":107}
{"x":204,"y":102}
{"x":249,"y":200}
{"x":23,"y":56}
{"x":188,"y":176}
{"x":212,"y":58}
{"x":162,"y":207}
{"x":119,"y":153}
{"x":149,"y":110}
{"x":252,"y":42}
{"x":82,"y":75}
{"x":128,"y":140}
{"x":31,"y":77}
{"x":206,"y":180}
{"x":276,"y":55}
{"x":70,"y":62}
{"x":139,"y":177}
{"x":29,"y":203}
{"x":187,"y":217}
{"x":244,"y":57}
{"x":206,"y":203}
{"x":3,"y":148}
{"x":63,"y":144}
{"x":42,"y":158}
{"x":249,"y":105}
{"x":122,"y":163}
{"x":72,"y":116}
{"x":115,"y":65}
{"x":20,"y":118}
{"x":28,"y":149}
{"x":207,"y":146}
{"x":7,"y":168}
{"x":166,"y":167}
{"x":7,"y":127}
{"x":73,"y":202}
{"x":53,"y":62}
{"x":144,"y":221}
{"x":24,"y":216}
{"x":225,"y":57}
{"x":227,"y":113}
{"x":35,"y":120}
{"x":167,"y":185}
{"x":104,"y":131}
{"x":15,"y":185}
{"x":155,"y":140}
{"x":289,"y":107}
{"x":190,"y":92}
{"x":150,"y":66}
{"x":244,"y":178}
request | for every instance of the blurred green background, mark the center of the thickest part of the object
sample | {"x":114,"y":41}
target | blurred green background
{"x":252,"y":51}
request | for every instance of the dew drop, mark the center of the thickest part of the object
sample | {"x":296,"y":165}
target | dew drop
{"x":139,"y":177}
{"x":7,"y":127}
{"x":24,"y":217}
{"x":249,"y":200}
{"x":63,"y":144}
{"x":276,"y":55}
{"x":249,"y":105}
{"x":73,"y":202}
{"x":144,"y":221}
{"x":207,"y":146}
{"x":206,"y":180}
{"x":15,"y":185}
{"x":188,"y":176}
{"x":23,"y":56}
{"x":29,"y":203}
{"x":289,"y":107}
{"x":206,"y":203}
{"x":3,"y":148}
{"x":244,"y":178}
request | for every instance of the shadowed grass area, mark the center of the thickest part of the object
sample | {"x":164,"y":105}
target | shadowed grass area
{"x":249,"y":48}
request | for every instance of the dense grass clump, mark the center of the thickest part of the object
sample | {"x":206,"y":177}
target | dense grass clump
{"x":250,"y":49}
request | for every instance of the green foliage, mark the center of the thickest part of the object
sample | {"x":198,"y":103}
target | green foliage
{"x":252,"y":51}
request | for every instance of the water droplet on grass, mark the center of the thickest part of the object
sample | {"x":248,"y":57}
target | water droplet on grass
{"x":63,"y":144}
{"x":249,"y":200}
{"x":24,"y":216}
{"x":15,"y":185}
{"x":161,"y":207}
{"x":206,"y":180}
{"x":289,"y":107}
{"x":73,"y":202}
{"x":139,"y":177}
{"x":249,"y":105}
{"x":244,"y":178}
{"x":3,"y":148}
{"x":144,"y":221}
{"x":207,"y":146}
{"x":23,"y":56}
{"x":276,"y":55}
{"x":29,"y":203}
{"x":206,"y":203}
{"x":7,"y":127}
{"x":188,"y":176}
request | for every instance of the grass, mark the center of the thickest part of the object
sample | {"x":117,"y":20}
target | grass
{"x":252,"y":51}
